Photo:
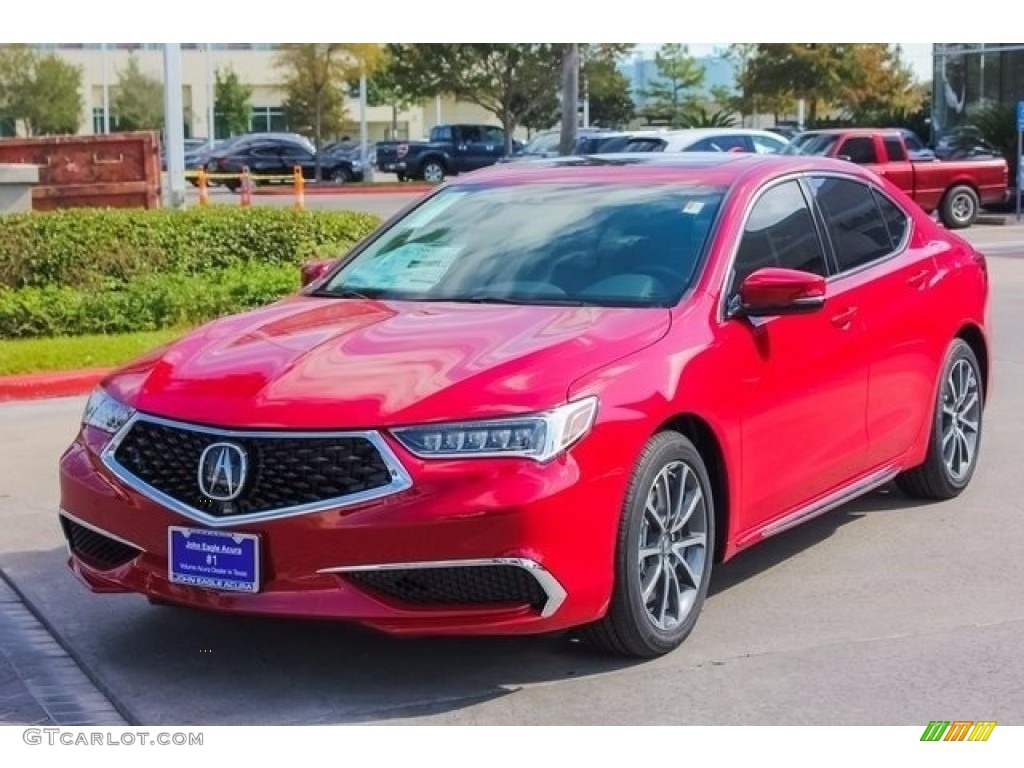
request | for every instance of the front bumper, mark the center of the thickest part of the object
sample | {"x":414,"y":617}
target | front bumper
{"x":483,"y":546}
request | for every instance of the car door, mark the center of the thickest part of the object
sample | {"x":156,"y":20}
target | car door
{"x":294,"y":155}
{"x":802,"y":379}
{"x":890,"y":280}
{"x":264,"y":159}
{"x":473,"y":151}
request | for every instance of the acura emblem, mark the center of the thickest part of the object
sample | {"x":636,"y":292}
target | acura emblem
{"x":222,"y":469}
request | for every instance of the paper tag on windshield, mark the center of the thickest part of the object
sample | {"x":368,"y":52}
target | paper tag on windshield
{"x":412,"y":267}
{"x":693,"y":207}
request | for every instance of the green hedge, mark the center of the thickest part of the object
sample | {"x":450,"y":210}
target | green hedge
{"x":147,"y":304}
{"x":116,"y":271}
{"x":86,"y":248}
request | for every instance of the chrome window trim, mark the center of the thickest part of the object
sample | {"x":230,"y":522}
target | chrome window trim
{"x":400,"y":478}
{"x":555,"y":592}
{"x":96,"y":529}
{"x":842,"y":274}
{"x":803,"y":178}
{"x":797,"y":176}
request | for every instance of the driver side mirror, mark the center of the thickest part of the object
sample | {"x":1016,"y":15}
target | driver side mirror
{"x":314,"y":270}
{"x":774,"y":291}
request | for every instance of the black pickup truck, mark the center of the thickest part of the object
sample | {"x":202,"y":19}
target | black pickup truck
{"x":450,"y":150}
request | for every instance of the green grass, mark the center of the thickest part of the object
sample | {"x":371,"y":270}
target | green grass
{"x":72,"y":352}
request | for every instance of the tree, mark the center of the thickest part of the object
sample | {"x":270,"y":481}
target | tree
{"x":850,"y":77}
{"x":138,"y":100}
{"x":512,"y":81}
{"x":877,"y":79}
{"x":672,"y":96}
{"x":605,"y":87}
{"x":232,"y":103}
{"x":44,"y":92}
{"x":315,"y":81}
{"x":383,"y":90}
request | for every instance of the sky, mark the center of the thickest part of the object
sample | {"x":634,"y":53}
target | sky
{"x":917,"y":55}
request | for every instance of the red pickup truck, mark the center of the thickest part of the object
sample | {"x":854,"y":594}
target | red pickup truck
{"x":957,"y":189}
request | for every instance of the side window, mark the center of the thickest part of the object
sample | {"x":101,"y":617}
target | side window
{"x":265,"y":150}
{"x":779,"y":233}
{"x":896,"y":221}
{"x":894,"y":150}
{"x":855,"y":225}
{"x":494,"y":136}
{"x":644,"y":145}
{"x":860,"y":149}
{"x":470,"y":134}
{"x":765,"y":145}
{"x":441,"y":133}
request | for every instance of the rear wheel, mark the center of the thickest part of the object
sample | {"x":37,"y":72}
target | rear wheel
{"x":955,"y":430}
{"x":433,"y":172}
{"x":663,"y":554}
{"x":341,"y":175}
{"x":959,"y":207}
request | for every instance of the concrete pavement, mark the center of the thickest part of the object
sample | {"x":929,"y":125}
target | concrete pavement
{"x":883,"y":612}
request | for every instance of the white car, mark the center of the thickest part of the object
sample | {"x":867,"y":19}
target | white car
{"x":707,"y":140}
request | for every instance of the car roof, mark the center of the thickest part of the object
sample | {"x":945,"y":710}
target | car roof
{"x":710,"y":168}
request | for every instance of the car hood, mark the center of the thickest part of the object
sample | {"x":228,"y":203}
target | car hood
{"x":308,"y":363}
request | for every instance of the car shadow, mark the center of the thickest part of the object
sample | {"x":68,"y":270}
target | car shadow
{"x":774,"y":551}
{"x":174,"y":665}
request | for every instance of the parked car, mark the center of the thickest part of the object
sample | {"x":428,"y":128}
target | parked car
{"x":964,"y":142}
{"x":275,"y":155}
{"x":547,"y":144}
{"x":705,"y":140}
{"x":190,"y":146}
{"x":450,"y":150}
{"x":548,"y":396}
{"x":955,"y":189}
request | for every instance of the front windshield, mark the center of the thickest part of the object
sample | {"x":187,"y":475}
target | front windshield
{"x":818,"y":144}
{"x":543,"y":243}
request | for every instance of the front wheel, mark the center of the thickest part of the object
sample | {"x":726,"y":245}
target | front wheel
{"x":663,"y":554}
{"x":955,"y":430}
{"x":959,"y":208}
{"x":341,"y":175}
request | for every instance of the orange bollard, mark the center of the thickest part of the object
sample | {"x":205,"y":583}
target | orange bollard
{"x":204,"y":192}
{"x":300,"y":188}
{"x":246,"y":188}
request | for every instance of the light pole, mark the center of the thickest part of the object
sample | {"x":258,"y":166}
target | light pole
{"x":570,"y":98}
{"x":174,"y":125}
{"x":211,"y":99}
{"x":364,"y":155}
{"x":106,"y":90}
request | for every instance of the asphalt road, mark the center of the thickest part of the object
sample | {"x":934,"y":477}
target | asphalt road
{"x":883,"y":612}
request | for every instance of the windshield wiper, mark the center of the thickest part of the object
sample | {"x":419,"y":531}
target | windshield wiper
{"x":349,"y":293}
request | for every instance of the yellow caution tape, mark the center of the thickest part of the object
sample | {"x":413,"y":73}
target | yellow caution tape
{"x":238,"y":176}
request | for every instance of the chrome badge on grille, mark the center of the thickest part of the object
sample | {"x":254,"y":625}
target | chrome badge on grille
{"x":222,"y":471}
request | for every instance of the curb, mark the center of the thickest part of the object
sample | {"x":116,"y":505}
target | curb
{"x":354,"y":189}
{"x":37,"y":386}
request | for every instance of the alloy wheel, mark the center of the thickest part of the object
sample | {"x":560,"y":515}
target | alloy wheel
{"x":961,"y":416}
{"x":673,"y":545}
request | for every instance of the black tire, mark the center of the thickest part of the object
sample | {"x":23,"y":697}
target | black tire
{"x":341,"y":175}
{"x":400,"y":177}
{"x":959,"y":208}
{"x":629,"y":628}
{"x":936,"y":478}
{"x":233,"y":186}
{"x":433,"y":171}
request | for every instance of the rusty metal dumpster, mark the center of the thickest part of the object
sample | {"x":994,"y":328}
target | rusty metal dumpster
{"x":118,"y":170}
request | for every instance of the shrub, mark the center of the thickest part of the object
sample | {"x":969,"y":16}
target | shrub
{"x":150,"y":303}
{"x":91,"y":249}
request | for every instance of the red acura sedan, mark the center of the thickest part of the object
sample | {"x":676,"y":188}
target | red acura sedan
{"x":550,"y":395}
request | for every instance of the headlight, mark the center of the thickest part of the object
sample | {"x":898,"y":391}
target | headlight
{"x":356,"y":165}
{"x":105,"y":413}
{"x":540,"y":436}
